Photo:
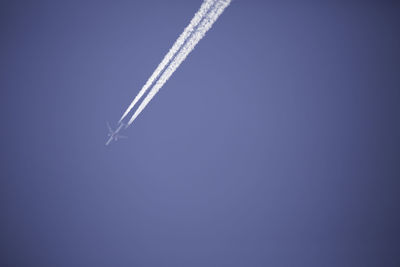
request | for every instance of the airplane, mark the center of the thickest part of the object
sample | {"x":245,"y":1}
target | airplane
{"x":114,"y":135}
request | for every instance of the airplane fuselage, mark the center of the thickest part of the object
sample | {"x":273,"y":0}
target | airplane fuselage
{"x":114,"y":135}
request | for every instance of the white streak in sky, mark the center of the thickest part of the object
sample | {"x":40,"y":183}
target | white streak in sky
{"x":204,"y":8}
{"x":197,"y":35}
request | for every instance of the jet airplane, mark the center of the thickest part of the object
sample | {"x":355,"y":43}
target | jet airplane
{"x":114,"y":135}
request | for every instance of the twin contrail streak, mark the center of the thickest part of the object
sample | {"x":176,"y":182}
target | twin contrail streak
{"x":205,"y":24}
{"x":204,"y":9}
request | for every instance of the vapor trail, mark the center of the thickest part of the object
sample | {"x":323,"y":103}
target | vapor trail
{"x":204,"y":8}
{"x":197,"y":35}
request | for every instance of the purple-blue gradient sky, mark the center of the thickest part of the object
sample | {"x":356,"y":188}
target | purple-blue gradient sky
{"x":276,"y":143}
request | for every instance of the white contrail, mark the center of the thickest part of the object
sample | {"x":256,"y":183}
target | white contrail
{"x":204,"y":26}
{"x":204,"y":8}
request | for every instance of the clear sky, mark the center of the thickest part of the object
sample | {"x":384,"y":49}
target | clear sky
{"x":276,"y":143}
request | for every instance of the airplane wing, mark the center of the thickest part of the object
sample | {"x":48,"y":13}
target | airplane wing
{"x":109,"y":128}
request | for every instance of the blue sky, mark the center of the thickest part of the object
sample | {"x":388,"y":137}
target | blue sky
{"x":274,"y":144}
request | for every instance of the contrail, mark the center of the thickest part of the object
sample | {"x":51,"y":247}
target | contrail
{"x":204,"y":8}
{"x":197,"y":35}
